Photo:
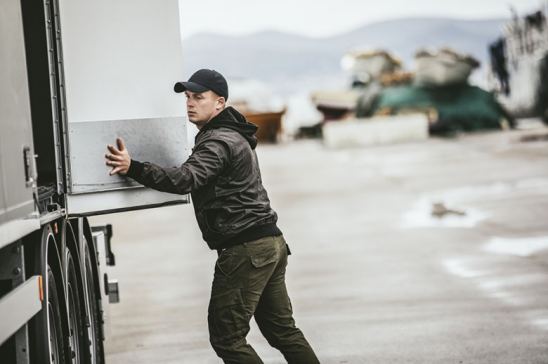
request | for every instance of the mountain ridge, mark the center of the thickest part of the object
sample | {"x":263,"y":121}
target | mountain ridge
{"x":291,"y":62}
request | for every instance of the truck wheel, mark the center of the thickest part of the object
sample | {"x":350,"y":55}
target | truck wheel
{"x":93,"y":310}
{"x":54,"y":326}
{"x":76,"y":317}
{"x":48,"y":329}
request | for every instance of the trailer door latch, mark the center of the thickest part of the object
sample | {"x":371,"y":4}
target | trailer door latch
{"x":30,"y":167}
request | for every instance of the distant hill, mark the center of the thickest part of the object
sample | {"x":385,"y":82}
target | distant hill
{"x":291,"y":63}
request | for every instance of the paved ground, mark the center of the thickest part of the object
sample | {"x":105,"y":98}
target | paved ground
{"x":374,"y":277}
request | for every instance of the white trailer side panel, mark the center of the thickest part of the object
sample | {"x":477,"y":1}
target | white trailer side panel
{"x":121,"y":59}
{"x":16,"y":187}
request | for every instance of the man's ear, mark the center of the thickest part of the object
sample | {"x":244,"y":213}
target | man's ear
{"x":220,"y":103}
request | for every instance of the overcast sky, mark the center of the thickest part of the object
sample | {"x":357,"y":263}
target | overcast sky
{"x":320,"y":18}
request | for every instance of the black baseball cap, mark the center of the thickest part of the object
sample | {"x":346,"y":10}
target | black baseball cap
{"x":204,"y":80}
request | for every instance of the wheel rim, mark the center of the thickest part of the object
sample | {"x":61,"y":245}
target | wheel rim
{"x":74,"y":338}
{"x":54,"y":330}
{"x":55,"y":352}
{"x":92,"y":334}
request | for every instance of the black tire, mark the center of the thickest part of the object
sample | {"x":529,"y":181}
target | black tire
{"x":55,"y":333}
{"x":94,"y":332}
{"x":78,"y":340}
{"x":48,"y":329}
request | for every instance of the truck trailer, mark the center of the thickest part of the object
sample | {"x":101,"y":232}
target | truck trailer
{"x":75,"y":75}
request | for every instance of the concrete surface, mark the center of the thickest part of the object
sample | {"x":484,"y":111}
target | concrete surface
{"x":376,"y":130}
{"x":374,"y":278}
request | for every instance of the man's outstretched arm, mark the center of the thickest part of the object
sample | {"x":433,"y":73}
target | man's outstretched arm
{"x":206,"y":162}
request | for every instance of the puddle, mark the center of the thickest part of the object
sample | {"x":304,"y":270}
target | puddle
{"x":458,"y":267}
{"x":507,"y":288}
{"x":420,"y":216}
{"x":541,"y":323}
{"x":512,"y":282}
{"x":522,"y":247}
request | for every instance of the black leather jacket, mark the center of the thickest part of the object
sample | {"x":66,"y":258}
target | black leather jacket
{"x":222,"y":174}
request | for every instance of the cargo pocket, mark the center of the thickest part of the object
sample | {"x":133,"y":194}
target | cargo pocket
{"x":260,"y":261}
{"x":226,"y":317}
{"x":228,"y":262}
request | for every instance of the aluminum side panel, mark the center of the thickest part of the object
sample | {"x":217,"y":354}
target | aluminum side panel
{"x":161,"y":141}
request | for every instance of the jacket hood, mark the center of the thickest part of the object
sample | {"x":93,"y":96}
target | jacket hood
{"x":230,"y":118}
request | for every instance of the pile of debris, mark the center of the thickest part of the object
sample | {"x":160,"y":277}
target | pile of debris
{"x":437,"y":88}
{"x":257,"y":103}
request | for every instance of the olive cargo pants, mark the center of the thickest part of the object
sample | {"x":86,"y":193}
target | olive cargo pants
{"x":249,"y":280}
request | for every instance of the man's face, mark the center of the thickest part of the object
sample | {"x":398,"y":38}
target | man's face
{"x":203,"y":106}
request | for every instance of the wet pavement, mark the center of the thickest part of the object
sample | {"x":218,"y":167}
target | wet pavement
{"x":374,"y":277}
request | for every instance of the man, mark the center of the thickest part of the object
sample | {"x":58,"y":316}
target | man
{"x":234,"y":214}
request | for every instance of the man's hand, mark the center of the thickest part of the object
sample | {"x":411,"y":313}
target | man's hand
{"x":118,"y":158}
